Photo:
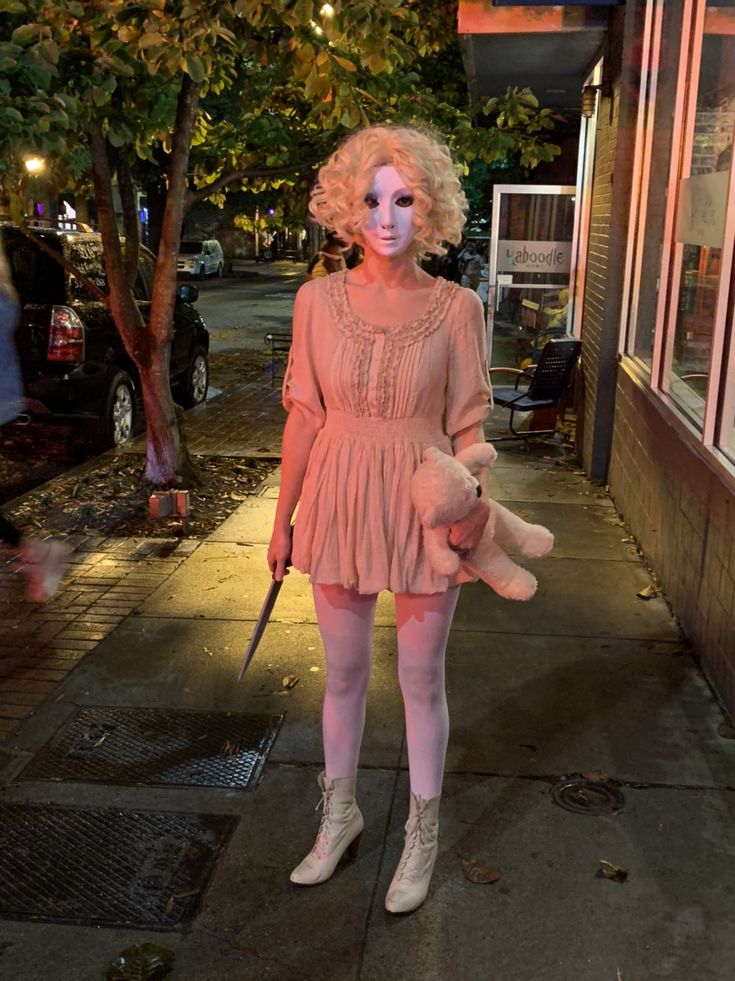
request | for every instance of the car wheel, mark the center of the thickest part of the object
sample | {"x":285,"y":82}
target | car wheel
{"x":115,"y":425}
{"x":194,"y":384}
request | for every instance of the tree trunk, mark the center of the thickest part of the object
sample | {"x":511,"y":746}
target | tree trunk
{"x":124,"y":309}
{"x":167,"y":460}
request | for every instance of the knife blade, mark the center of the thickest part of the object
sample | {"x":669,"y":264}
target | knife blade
{"x":260,"y":624}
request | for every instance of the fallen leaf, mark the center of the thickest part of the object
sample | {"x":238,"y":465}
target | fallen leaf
{"x":726,"y":731}
{"x":609,"y":871}
{"x":230,"y":749}
{"x":479,"y":873}
{"x":142,"y":962}
{"x":597,"y":776}
{"x":290,"y":681}
{"x":648,"y":592}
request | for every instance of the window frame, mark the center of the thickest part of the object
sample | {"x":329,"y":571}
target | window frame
{"x":720,"y":398}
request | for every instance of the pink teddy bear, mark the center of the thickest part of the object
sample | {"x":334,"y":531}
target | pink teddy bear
{"x":444,"y":489}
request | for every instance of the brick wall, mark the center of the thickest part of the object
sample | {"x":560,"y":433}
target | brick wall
{"x":608,"y":234}
{"x":593,"y":317}
{"x":683,"y":516}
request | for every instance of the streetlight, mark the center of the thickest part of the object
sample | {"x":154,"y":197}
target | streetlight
{"x":34,"y":165}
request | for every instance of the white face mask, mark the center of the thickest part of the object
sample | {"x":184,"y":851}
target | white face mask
{"x":388,"y":229}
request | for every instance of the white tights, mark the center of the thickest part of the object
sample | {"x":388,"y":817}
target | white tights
{"x":346,"y":626}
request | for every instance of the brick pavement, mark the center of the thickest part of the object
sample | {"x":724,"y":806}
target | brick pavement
{"x":109,"y":577}
{"x":41,"y":643}
{"x":247,"y":421}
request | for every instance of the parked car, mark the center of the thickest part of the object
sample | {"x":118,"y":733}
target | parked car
{"x":72,"y":357}
{"x":200,"y":259}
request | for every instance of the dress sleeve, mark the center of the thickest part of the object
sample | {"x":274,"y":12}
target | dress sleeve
{"x":301,"y":385}
{"x":469,"y":396}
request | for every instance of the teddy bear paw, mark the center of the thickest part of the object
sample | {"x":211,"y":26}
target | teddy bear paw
{"x":538,"y":542}
{"x":522,"y":586}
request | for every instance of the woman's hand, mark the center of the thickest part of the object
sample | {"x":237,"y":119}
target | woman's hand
{"x":279,"y":553}
{"x":465,"y":535}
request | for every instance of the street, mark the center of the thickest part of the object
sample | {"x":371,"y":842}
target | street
{"x":241,"y":308}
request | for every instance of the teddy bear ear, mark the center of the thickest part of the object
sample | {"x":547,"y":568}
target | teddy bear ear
{"x":477,"y":457}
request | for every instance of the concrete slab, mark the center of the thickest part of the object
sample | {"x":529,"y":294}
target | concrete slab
{"x":549,"y":918}
{"x":194,"y":666}
{"x":547,"y":706}
{"x":250,"y":524}
{"x":580,"y":531}
{"x":252,"y":922}
{"x":543,"y":484}
{"x":576,"y":597}
{"x":237,"y":578}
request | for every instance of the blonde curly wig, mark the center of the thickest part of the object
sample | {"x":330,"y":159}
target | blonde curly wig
{"x":338,"y":198}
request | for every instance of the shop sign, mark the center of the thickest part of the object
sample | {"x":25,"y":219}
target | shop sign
{"x":534,"y":257}
{"x":701,"y":216}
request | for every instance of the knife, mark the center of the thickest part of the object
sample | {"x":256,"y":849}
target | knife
{"x":261,"y":623}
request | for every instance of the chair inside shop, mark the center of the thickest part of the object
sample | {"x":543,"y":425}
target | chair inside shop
{"x":540,"y":386}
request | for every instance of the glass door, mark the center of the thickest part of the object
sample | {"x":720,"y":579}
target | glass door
{"x":531,"y":270}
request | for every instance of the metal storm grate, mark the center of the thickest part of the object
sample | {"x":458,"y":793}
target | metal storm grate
{"x":153,"y":747}
{"x":582,"y":796}
{"x":114,"y":868}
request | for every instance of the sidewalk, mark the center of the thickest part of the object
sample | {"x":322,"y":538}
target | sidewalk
{"x":587,"y":678}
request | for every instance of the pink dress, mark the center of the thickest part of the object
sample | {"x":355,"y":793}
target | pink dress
{"x":379,"y":397}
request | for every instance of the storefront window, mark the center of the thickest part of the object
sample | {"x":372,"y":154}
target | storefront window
{"x":678,"y":311}
{"x":700,"y":227}
{"x":656,"y":110}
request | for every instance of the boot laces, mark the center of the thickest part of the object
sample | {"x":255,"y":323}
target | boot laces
{"x":418,"y":836}
{"x":321,"y":845}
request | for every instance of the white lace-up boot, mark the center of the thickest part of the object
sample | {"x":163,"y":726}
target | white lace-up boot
{"x":410,"y":884}
{"x":339,"y":832}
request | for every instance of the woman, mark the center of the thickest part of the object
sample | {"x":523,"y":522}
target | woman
{"x":385,"y":361}
{"x":42,"y":562}
{"x":329,"y":259}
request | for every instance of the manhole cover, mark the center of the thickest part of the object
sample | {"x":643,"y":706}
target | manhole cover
{"x":115,"y":868}
{"x":582,"y":796}
{"x":153,"y":747}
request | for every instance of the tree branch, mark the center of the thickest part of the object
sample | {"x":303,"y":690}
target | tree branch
{"x":130,"y":216}
{"x":164,"y":285}
{"x":245,"y":173}
{"x":125,"y":312}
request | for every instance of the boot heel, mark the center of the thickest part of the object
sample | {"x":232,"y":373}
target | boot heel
{"x":354,"y":847}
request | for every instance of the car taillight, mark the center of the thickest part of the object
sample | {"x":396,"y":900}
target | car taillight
{"x":66,"y":336}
